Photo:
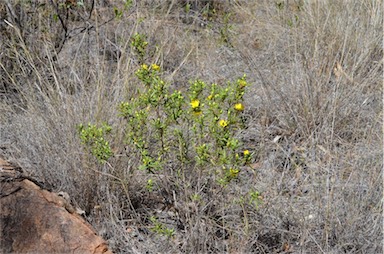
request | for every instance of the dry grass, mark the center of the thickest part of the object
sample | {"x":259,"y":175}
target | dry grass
{"x":314,"y":119}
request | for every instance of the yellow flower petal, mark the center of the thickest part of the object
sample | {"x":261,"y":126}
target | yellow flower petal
{"x":195,"y":104}
{"x":239,"y":106}
{"x":155,"y":67}
{"x":223,"y":123}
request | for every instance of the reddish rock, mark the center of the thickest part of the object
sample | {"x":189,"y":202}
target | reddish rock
{"x":34,"y":220}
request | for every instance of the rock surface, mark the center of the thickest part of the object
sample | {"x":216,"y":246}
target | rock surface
{"x":34,"y":220}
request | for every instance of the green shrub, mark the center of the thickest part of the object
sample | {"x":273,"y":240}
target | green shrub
{"x":160,"y":228}
{"x":198,"y":128}
{"x":93,"y":138}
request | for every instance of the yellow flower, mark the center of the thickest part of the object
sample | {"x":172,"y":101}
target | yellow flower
{"x":223,"y":123}
{"x":144,"y":67}
{"x":210,"y":97}
{"x":155,"y":67}
{"x":239,"y":106}
{"x":242,"y":83}
{"x":246,"y":153}
{"x":195,"y":103}
{"x":233,"y":172}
